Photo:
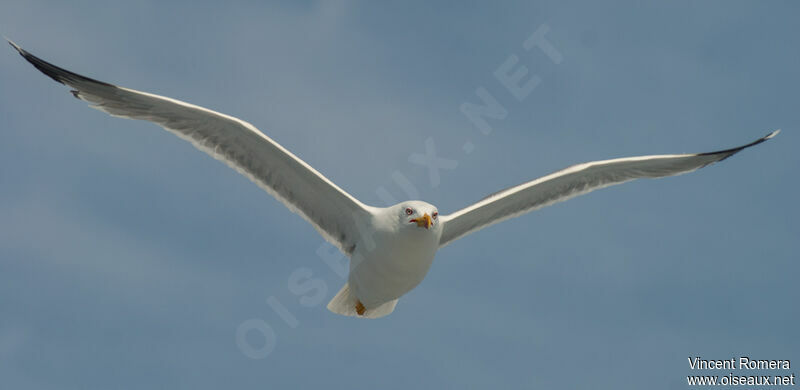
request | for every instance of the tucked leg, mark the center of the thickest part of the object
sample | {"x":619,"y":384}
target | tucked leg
{"x":360,"y":309}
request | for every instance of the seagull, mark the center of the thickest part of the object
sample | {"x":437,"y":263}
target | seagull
{"x":391,"y":248}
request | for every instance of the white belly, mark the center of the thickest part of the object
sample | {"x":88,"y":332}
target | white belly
{"x":397,"y":264}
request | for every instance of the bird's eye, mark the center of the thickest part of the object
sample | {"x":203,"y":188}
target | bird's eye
{"x":409,"y":211}
{"x":435,"y":214}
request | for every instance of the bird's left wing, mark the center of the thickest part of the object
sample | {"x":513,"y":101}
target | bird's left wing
{"x":333,"y":212}
{"x":573,"y":181}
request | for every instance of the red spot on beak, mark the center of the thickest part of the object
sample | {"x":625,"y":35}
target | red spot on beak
{"x":425,"y":221}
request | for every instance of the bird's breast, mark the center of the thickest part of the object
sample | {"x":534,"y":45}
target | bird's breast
{"x":395,"y":264}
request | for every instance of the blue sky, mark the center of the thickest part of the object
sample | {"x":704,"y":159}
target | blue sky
{"x":128,"y":259}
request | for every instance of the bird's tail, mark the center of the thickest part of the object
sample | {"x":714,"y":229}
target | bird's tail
{"x":345,"y":301}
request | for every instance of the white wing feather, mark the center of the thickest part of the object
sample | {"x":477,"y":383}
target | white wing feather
{"x":332,"y":211}
{"x":570,"y":182}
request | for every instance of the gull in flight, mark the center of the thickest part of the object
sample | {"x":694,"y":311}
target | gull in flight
{"x":390,"y":248}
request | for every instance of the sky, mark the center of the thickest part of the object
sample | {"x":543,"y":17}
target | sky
{"x":128,"y":259}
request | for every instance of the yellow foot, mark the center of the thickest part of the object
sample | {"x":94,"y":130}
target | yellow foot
{"x":360,"y":309}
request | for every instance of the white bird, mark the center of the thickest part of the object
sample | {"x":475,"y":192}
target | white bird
{"x":390,"y":248}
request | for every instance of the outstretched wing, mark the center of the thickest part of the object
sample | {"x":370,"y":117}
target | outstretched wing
{"x":571,"y":182}
{"x":333,"y":212}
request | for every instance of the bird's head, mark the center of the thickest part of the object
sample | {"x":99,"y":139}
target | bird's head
{"x":418,"y":214}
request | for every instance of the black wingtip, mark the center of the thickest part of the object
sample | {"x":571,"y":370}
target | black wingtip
{"x":56,"y":73}
{"x":37,"y":62}
{"x":732,"y":151}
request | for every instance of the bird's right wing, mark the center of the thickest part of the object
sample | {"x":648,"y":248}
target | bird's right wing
{"x":571,"y":182}
{"x":333,"y":212}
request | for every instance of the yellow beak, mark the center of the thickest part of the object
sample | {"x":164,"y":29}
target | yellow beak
{"x":425,"y":221}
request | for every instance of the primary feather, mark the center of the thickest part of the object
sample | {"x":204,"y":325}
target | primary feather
{"x":331,"y":210}
{"x":573,"y":181}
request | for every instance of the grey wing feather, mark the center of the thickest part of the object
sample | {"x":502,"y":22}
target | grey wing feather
{"x":571,"y":182}
{"x":332,"y":211}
